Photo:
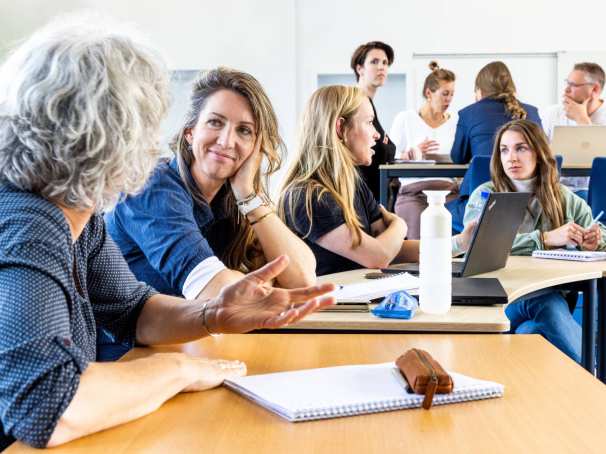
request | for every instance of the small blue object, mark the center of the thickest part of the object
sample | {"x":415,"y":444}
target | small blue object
{"x":397,"y":305}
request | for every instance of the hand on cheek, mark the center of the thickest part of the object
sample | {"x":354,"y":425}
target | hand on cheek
{"x":242,"y":183}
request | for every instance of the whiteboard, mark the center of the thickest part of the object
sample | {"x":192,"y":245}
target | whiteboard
{"x":535,"y":76}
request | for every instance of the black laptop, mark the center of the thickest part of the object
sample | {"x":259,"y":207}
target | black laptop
{"x":471,"y":291}
{"x":492,"y":239}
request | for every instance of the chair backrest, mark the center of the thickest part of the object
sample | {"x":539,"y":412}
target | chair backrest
{"x":559,"y":160}
{"x":478,"y":172}
{"x":597,"y":186}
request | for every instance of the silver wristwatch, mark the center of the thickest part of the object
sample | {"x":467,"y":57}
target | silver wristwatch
{"x":247,"y":206}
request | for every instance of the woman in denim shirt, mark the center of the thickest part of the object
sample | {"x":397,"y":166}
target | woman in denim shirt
{"x":205,"y":217}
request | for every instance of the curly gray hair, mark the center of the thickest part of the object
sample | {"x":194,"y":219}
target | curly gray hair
{"x":80,"y":111}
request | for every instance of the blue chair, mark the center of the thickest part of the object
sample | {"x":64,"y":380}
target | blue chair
{"x":477,"y":173}
{"x":559,"y":160}
{"x":597,"y":186}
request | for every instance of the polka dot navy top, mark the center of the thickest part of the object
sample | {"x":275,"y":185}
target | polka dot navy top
{"x":54,"y":297}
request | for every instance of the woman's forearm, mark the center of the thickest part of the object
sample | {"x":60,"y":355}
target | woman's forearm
{"x":277,"y":239}
{"x":391,"y":239}
{"x":110,"y":394}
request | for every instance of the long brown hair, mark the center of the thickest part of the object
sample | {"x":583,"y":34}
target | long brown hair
{"x":243,"y":252}
{"x":494,"y":81}
{"x":323,"y":163}
{"x":547,"y":188}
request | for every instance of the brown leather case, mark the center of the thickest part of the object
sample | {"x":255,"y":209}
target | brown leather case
{"x":424,"y":374}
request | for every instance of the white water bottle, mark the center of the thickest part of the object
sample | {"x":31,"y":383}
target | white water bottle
{"x":435,"y":261}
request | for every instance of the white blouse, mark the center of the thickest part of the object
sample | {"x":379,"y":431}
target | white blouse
{"x":409,"y":130}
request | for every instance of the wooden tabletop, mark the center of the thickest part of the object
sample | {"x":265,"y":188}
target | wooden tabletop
{"x":521,"y":276}
{"x":524,"y":275}
{"x":551,"y":405}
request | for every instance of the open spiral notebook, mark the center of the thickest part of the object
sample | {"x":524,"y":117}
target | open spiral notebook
{"x":332,"y":392}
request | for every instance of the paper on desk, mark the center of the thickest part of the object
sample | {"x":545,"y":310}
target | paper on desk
{"x":375,"y":288}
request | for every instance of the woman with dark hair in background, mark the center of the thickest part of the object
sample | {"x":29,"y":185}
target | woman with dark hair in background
{"x":478,"y":123}
{"x":370,"y":63}
{"x":205,"y":217}
{"x":425,"y":134}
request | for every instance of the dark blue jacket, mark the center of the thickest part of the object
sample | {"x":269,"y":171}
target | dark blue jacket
{"x":477,"y":126}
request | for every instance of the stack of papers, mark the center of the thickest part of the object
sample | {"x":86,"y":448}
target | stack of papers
{"x":375,"y":288}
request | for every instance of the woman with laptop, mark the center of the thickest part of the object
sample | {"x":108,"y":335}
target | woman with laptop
{"x":556,"y":218}
{"x":326,"y":202}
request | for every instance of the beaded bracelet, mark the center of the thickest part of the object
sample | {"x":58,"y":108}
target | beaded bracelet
{"x":261,"y":218}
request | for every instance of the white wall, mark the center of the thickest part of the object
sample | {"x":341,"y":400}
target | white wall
{"x":286,"y":43}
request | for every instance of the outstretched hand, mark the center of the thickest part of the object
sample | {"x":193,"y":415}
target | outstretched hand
{"x":252,"y":303}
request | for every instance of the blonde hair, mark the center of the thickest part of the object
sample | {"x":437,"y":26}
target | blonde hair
{"x":547,"y":181}
{"x":243,"y":252}
{"x":80,"y":112}
{"x":494,"y":81}
{"x":323,"y":164}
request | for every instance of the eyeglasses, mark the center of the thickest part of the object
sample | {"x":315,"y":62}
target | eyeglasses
{"x":575,"y":85}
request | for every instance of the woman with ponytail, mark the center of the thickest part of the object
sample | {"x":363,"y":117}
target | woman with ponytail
{"x":496,"y":105}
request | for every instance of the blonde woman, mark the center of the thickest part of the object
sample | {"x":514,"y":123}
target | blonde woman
{"x":205,"y":217}
{"x":523,"y":162}
{"x":324,"y":199}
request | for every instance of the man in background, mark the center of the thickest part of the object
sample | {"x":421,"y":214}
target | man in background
{"x":581,"y":105}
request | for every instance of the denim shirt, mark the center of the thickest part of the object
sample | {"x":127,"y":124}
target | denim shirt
{"x":55,"y":296}
{"x":164,"y":234}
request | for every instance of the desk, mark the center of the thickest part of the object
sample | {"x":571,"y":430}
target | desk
{"x":550,"y":404}
{"x":523,"y":276}
{"x":387,"y":171}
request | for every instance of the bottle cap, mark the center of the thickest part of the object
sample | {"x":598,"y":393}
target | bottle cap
{"x":436,"y":197}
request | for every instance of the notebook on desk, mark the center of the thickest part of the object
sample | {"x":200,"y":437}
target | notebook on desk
{"x":333,"y":392}
{"x":492,"y":239}
{"x":571,"y":254}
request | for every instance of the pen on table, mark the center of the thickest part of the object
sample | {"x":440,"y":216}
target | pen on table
{"x":597,"y":218}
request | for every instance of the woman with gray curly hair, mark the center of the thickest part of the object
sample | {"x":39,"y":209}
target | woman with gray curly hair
{"x":80,"y":110}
